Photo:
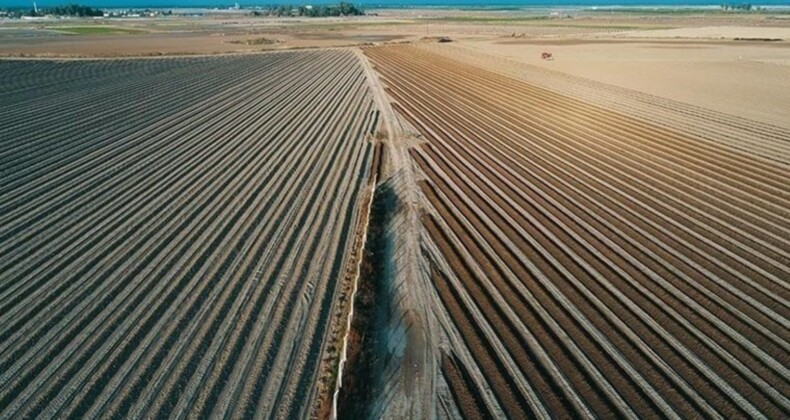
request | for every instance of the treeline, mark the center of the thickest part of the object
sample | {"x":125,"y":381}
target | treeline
{"x":744,"y":7}
{"x":340,"y":9}
{"x":67,"y":10}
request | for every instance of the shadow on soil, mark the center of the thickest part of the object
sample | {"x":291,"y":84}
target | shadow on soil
{"x":366,"y":341}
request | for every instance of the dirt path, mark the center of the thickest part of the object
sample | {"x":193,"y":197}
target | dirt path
{"x":410,"y":377}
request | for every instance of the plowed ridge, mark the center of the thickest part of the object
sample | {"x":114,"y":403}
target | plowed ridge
{"x":762,"y":140}
{"x":597,"y":264}
{"x":173,"y":231}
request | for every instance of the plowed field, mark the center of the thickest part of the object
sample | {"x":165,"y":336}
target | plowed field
{"x":598,"y":262}
{"x":174,"y":232}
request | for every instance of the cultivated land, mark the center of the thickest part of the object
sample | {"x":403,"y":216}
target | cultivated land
{"x":601,"y":235}
{"x":592,"y":261}
{"x":178,"y":234}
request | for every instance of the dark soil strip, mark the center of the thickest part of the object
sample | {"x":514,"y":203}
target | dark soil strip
{"x":365,"y":364}
{"x":467,"y":396}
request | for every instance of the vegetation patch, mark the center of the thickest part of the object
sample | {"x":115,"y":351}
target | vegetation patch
{"x":340,"y":9}
{"x":439,"y":39}
{"x":72,"y":10}
{"x":489,"y":19}
{"x":758,"y":39}
{"x":256,"y":41}
{"x":95,"y":30}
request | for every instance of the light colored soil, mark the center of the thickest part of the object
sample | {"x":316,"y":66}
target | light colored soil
{"x":123,"y":45}
{"x":581,"y":250}
{"x":411,"y":371}
{"x":750,"y":79}
{"x":180,"y":36}
{"x":715,"y":32}
{"x":166,"y":44}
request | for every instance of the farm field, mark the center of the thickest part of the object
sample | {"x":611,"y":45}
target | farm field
{"x":689,"y":73}
{"x":408,"y":214}
{"x":177,"y":235}
{"x":595,"y":251}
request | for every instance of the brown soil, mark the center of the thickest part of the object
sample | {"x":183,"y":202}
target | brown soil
{"x":572,"y":219}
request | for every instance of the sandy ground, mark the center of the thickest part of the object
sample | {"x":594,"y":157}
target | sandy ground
{"x":238,"y":33}
{"x":715,"y":32}
{"x":185,"y":43}
{"x":750,"y":79}
{"x":208,"y":35}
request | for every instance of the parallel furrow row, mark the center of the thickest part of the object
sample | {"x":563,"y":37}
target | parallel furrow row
{"x":591,"y":242}
{"x":183,"y":263}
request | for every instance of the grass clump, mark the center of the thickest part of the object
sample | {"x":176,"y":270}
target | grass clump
{"x":95,"y":30}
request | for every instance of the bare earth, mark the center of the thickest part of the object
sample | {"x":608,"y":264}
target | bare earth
{"x":603,"y":234}
{"x":750,"y":79}
{"x":692,"y":59}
